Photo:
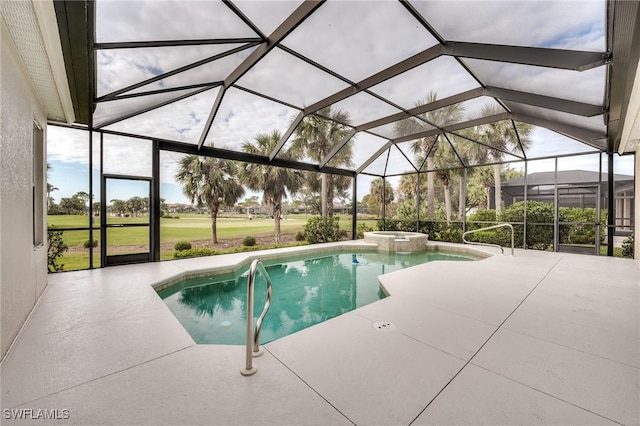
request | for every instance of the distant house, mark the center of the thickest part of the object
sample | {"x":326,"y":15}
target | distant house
{"x":576,"y":188}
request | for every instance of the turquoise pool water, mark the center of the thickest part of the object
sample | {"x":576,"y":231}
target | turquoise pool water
{"x":306,"y":291}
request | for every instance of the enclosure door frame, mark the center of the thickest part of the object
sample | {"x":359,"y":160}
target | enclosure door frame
{"x":123,"y":259}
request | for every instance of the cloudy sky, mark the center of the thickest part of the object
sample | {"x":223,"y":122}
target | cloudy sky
{"x":353,"y":38}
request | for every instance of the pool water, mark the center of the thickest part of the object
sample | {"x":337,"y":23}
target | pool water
{"x":306,"y":291}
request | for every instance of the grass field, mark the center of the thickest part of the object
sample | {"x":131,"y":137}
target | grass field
{"x":187,"y":227}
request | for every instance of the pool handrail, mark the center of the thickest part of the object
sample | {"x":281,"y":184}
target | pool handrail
{"x":500,"y":225}
{"x":253,"y":336}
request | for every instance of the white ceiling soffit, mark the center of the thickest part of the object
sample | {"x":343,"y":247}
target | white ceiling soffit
{"x":33,"y":27}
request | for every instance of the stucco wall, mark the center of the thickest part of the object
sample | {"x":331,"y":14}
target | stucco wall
{"x":23,"y":268}
{"x":636,"y":221}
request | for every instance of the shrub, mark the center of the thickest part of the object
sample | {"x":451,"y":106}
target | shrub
{"x":362,"y":228}
{"x":196,"y":252}
{"x":397,"y":225}
{"x":582,"y":234}
{"x":300,"y":236}
{"x":627,"y":247}
{"x":56,"y":247}
{"x":322,"y":229}
{"x":249,"y":241}
{"x":482,"y":216}
{"x":204,"y":251}
{"x":451,"y":234}
{"x":88,"y":243}
{"x":182,"y":245}
{"x":430,"y":227}
{"x":540,"y":235}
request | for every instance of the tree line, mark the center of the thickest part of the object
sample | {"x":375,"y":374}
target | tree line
{"x":78,"y":204}
{"x":400,"y":201}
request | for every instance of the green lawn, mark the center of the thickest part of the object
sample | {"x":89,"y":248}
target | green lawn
{"x":198,"y":227}
{"x":617,"y":251}
{"x":190,"y":227}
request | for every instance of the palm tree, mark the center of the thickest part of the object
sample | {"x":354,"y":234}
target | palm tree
{"x":212,"y":182}
{"x":134,"y":205}
{"x":407,"y":187}
{"x":376,"y":190}
{"x":479,"y":181}
{"x":444,"y":158}
{"x":444,"y":175}
{"x":118,"y":206}
{"x":316,"y":137}
{"x":428,"y":146}
{"x":502,"y":136}
{"x":469,"y":153}
{"x":50,"y":187}
{"x":275,"y":182}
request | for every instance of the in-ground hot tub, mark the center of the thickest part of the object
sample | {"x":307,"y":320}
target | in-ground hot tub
{"x":397,"y":241}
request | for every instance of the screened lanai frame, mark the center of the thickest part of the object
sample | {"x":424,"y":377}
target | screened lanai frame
{"x":273,"y":36}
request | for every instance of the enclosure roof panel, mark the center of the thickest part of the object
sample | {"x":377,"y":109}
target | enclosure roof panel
{"x":401,"y":70}
{"x":574,"y":177}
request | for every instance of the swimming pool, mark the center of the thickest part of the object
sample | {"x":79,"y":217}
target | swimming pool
{"x":306,"y":291}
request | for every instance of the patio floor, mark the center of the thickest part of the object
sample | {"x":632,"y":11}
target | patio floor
{"x":539,"y":338}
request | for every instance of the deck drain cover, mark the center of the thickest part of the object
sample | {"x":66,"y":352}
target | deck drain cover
{"x":383,"y":326}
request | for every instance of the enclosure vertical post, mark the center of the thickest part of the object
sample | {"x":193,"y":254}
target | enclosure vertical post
{"x":556,"y":224}
{"x":91,"y":94}
{"x":598,"y":206}
{"x":463,"y":200}
{"x":103,"y":207}
{"x":154,"y":203}
{"x":524,"y":210}
{"x":418,"y":202}
{"x":91,"y":215}
{"x":354,"y":209}
{"x":611,"y":210}
{"x":384,"y":203}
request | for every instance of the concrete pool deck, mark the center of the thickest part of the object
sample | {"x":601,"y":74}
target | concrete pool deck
{"x":539,"y":338}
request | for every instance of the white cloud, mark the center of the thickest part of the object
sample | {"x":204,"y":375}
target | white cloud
{"x":122,"y":155}
{"x":267,"y":15}
{"x":117,"y":69}
{"x":443,"y":76}
{"x":363,"y":108}
{"x":546,"y":143}
{"x":358,"y":39}
{"x":586,"y":86}
{"x":555,"y":24}
{"x":67,"y":145}
{"x":166,"y":20}
{"x":242,"y":116}
{"x":181,"y":121}
{"x":289,"y":79}
{"x":363,"y":146}
{"x":120,"y":68}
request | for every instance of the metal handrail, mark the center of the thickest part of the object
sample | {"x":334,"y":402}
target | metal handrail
{"x":253,"y":336}
{"x":500,"y":225}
